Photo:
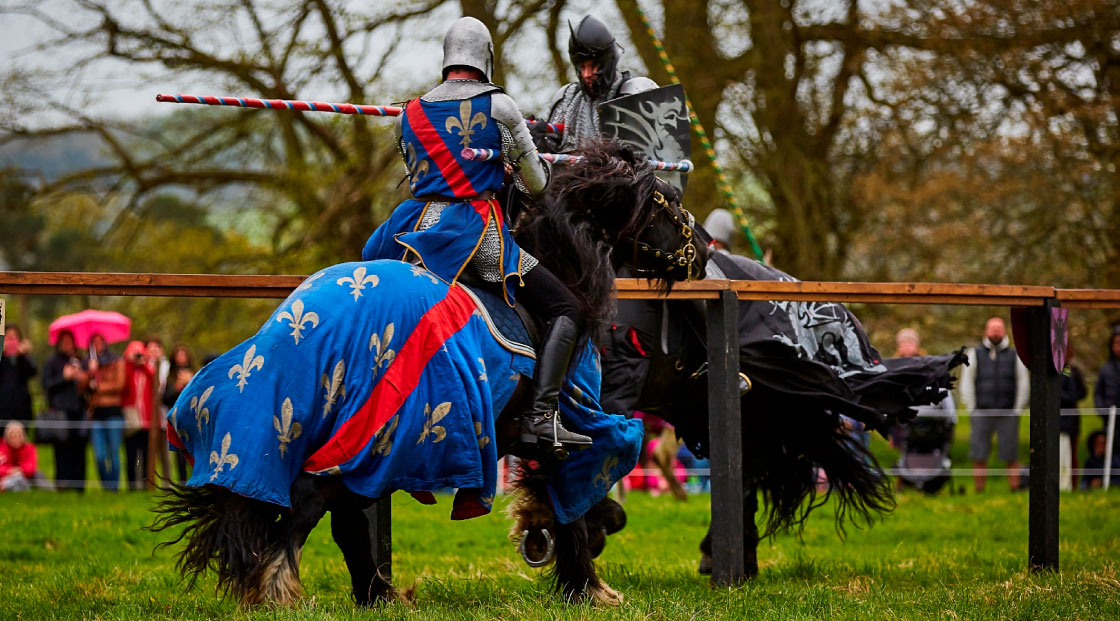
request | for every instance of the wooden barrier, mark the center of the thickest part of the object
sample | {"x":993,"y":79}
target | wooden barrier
{"x":721,"y":297}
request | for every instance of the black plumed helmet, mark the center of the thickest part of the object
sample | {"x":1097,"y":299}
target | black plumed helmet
{"x":593,"y":41}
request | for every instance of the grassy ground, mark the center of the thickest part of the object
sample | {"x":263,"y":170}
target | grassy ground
{"x":64,"y":555}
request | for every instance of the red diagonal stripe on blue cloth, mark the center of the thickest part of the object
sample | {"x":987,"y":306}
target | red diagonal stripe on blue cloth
{"x":452,"y":172}
{"x":438,"y":324}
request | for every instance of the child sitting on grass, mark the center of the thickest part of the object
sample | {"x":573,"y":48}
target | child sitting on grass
{"x":19,"y":462}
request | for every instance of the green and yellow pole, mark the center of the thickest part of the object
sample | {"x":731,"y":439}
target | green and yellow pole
{"x":702,"y":136}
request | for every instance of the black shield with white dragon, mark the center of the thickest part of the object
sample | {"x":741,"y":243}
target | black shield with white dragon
{"x":655,"y":122}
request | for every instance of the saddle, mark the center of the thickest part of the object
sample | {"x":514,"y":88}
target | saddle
{"x":513,"y":328}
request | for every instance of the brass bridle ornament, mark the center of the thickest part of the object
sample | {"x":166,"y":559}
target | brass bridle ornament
{"x":683,"y":257}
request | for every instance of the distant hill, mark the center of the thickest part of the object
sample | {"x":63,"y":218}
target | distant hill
{"x":54,"y":157}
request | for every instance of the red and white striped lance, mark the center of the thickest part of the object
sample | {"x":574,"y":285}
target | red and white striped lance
{"x":562,"y":159}
{"x":305,"y":106}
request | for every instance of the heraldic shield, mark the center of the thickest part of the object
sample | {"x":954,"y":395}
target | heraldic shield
{"x":654,"y":122}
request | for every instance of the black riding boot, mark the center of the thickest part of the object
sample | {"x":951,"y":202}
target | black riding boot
{"x":540,"y":425}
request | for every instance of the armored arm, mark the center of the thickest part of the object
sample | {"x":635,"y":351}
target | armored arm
{"x":533,"y":173}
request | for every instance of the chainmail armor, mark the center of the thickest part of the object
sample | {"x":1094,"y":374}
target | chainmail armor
{"x":579,"y":114}
{"x":486,"y":263}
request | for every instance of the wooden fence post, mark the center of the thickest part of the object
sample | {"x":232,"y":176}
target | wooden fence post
{"x":380,"y":516}
{"x":1044,"y":417}
{"x":725,"y":439}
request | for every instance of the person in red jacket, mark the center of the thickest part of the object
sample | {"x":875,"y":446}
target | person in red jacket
{"x":136,"y":404}
{"x":19,"y":462}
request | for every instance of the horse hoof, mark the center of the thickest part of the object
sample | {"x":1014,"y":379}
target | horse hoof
{"x":603,"y":595}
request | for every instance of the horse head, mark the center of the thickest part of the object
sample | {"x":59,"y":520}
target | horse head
{"x":634,"y":213}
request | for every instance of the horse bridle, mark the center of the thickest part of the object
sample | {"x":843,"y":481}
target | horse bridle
{"x":684,"y":257}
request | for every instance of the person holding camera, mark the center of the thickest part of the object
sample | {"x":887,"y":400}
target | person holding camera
{"x":16,"y":369}
{"x":65,"y":381}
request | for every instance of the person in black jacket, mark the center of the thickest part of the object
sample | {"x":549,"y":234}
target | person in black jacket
{"x":16,"y":369}
{"x":65,"y":382}
{"x":1107,"y":392}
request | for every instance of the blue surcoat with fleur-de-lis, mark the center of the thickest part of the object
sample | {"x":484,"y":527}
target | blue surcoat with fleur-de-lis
{"x":468,"y":222}
{"x":436,"y":132}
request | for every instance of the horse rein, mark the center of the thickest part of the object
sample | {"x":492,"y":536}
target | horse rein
{"x":683,"y":257}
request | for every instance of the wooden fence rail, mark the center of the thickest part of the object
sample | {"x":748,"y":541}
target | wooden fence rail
{"x":721,"y":298}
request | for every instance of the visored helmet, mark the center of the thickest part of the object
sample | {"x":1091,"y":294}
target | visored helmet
{"x":468,"y":44}
{"x":593,"y":41}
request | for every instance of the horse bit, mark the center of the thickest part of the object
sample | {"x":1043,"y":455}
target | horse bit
{"x":683,"y":257}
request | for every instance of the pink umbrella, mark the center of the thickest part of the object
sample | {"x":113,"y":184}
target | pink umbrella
{"x":115,"y":327}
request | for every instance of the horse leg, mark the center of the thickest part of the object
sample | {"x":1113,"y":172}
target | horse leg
{"x":750,"y":530}
{"x":350,"y":528}
{"x":575,"y":568}
{"x":750,"y":537}
{"x":277,"y":580}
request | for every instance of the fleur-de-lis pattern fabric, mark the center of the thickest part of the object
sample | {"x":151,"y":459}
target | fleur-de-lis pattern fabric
{"x":419,"y":420}
{"x":298,"y":320}
{"x":245,"y":367}
{"x":358,"y":281}
{"x":379,"y":345}
{"x":288,"y":430}
{"x":334,"y":386}
{"x":465,"y":123}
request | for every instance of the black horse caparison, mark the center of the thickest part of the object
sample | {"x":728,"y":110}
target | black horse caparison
{"x":802,"y":375}
{"x":604,"y":212}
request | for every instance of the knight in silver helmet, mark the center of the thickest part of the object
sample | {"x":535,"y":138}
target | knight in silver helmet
{"x":440,"y":227}
{"x":594,"y":54}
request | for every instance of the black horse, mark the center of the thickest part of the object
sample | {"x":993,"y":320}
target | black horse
{"x":607,"y":211}
{"x":806,"y":368}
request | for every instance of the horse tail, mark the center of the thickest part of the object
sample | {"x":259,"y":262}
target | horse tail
{"x":783,"y":461}
{"x":570,"y":548}
{"x":235,"y":536}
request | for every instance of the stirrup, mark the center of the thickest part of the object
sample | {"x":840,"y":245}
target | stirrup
{"x":552,"y":445}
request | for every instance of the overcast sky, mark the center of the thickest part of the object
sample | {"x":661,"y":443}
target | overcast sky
{"x":118,"y":90}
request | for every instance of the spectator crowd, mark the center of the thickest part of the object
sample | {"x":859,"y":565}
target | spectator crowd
{"x":109,"y":404}
{"x":95,"y":401}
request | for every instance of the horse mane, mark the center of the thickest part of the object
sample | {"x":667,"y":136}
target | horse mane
{"x":590,"y":207}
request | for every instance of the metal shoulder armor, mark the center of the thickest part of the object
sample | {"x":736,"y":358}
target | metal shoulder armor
{"x":519,"y":150}
{"x":636,"y":85}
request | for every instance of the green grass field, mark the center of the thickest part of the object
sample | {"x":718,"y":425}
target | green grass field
{"x":69,"y":556}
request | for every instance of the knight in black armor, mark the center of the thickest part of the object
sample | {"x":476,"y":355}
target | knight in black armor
{"x":454,"y":223}
{"x":594,"y":53}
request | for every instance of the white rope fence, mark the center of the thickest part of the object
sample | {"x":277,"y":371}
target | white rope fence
{"x":1105,"y":472}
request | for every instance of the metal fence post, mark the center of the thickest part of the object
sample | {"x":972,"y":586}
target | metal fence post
{"x":1044,"y":417}
{"x":725,"y":439}
{"x":380,"y":516}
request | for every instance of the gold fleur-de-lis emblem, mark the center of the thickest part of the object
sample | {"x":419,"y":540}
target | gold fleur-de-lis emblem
{"x":297,"y":318}
{"x":417,"y":166}
{"x":287,"y":429}
{"x":175,"y":423}
{"x":433,"y":417}
{"x":380,"y":347}
{"x":199,"y":409}
{"x":482,"y":376}
{"x":310,"y":281}
{"x":603,"y":479}
{"x":334,"y":386}
{"x":419,"y":271}
{"x":383,"y":440}
{"x":359,"y":281}
{"x":466,"y":123}
{"x":482,"y":440}
{"x":226,"y":458}
{"x":243,"y":370}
